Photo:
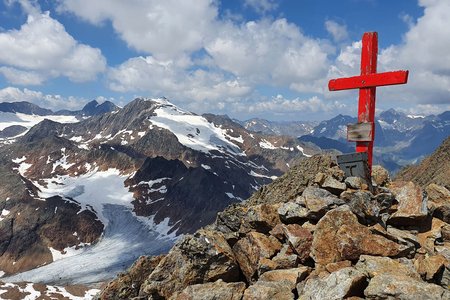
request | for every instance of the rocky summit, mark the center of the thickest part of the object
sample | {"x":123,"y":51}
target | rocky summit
{"x":310,"y":234}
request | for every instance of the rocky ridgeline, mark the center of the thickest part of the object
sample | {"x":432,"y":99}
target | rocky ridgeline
{"x":311,"y":234}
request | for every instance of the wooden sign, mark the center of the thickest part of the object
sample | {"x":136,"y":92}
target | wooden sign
{"x":359,"y":132}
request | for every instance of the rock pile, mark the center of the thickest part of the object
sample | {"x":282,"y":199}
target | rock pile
{"x":311,"y":234}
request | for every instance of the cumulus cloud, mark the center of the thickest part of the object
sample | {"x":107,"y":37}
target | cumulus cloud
{"x":269,"y":52}
{"x":174,"y":78}
{"x":164,"y":29}
{"x":42,"y":49}
{"x":55,"y":102}
{"x":337,"y":31}
{"x":19,"y":77}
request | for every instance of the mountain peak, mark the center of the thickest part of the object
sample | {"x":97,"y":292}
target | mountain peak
{"x":95,"y":108}
{"x":24,"y":107}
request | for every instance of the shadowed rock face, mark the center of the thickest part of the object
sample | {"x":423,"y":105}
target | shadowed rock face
{"x":349,"y":250}
{"x":32,"y":226}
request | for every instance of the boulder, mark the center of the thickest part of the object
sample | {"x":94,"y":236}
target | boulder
{"x":300,"y":240}
{"x":251,"y":249}
{"x":430,"y":266}
{"x":294,"y":275}
{"x":230,"y":219}
{"x":262,"y":217}
{"x":285,"y":259}
{"x":199,"y":258}
{"x":354,"y":182}
{"x":269,"y":290}
{"x":334,"y":186}
{"x":362,"y":205}
{"x":213,"y":291}
{"x":412,"y":205}
{"x":341,"y":284}
{"x":387,"y":286}
{"x":439,"y":201}
{"x":380,"y":175}
{"x":292,"y":212}
{"x":319,"y":201}
{"x":339,"y":236}
{"x":373,"y":266}
{"x":430,"y":233}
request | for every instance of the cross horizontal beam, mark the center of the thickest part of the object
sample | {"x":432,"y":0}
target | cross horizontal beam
{"x":367,"y":81}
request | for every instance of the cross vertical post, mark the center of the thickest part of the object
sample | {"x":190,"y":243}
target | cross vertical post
{"x":363,"y":133}
{"x":366,"y":105}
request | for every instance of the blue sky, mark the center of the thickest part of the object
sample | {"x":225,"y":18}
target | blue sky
{"x":244,"y":58}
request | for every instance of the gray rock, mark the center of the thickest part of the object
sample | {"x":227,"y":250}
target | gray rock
{"x":319,"y":201}
{"x":362,"y":205}
{"x":269,"y":290}
{"x":334,"y":186}
{"x":386,"y":286}
{"x":376,"y":265}
{"x":292,"y":212}
{"x":343,"y":283}
{"x":213,"y":291}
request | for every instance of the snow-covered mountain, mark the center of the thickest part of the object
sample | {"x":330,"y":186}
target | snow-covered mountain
{"x":16,"y":118}
{"x":82,"y":198}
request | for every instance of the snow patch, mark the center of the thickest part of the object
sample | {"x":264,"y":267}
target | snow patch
{"x":68,"y":251}
{"x":266,"y":144}
{"x":415,"y":116}
{"x":9,"y":119}
{"x":193,"y":131}
{"x":206,"y":167}
{"x":92,"y":190}
{"x":302,"y":151}
{"x":5,"y":212}
{"x":231,"y":196}
{"x":23,"y":166}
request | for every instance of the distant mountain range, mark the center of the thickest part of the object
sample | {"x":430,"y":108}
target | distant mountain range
{"x":84,"y":193}
{"x":400,"y":139}
{"x":290,"y":128}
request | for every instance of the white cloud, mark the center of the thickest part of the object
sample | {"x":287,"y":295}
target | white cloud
{"x":164,"y":29}
{"x":280,"y":104}
{"x":261,"y":6}
{"x":173,"y":78}
{"x":266,"y":52}
{"x":19,"y":77}
{"x":55,"y":102}
{"x":337,"y":31}
{"x":42,"y":49}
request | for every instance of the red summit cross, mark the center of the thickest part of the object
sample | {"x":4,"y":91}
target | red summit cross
{"x":363,"y":133}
